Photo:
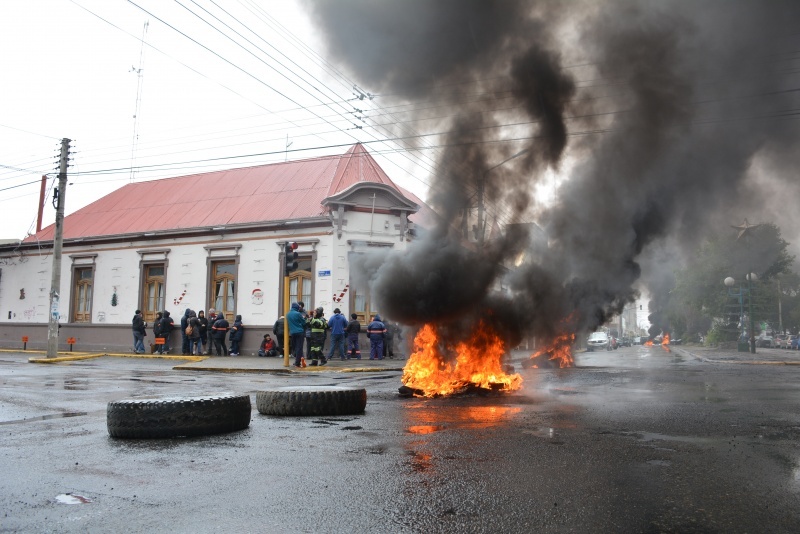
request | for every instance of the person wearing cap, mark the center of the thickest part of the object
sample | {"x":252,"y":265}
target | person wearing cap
{"x":138,"y":327}
{"x":316,"y":321}
{"x":338,"y":325}
{"x":375,"y":331}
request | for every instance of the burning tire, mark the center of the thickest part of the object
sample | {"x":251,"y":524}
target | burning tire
{"x":311,"y":400}
{"x":170,"y":418}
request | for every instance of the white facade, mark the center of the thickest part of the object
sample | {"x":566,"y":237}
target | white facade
{"x":364,"y":218}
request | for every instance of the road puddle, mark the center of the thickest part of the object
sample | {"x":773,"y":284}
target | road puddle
{"x":44,"y":418}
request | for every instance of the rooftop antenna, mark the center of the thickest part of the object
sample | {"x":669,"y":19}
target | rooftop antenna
{"x":139,"y":83}
{"x":288,"y":144}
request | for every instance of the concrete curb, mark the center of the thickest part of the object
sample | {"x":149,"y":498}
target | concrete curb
{"x":735,"y":362}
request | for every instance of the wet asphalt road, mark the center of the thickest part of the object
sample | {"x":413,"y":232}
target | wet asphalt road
{"x":634,"y":440}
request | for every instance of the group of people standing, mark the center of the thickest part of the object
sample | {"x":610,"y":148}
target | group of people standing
{"x":198,"y":333}
{"x":311,"y":328}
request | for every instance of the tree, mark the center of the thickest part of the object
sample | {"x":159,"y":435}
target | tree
{"x":699,"y":290}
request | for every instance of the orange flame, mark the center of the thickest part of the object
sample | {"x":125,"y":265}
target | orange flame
{"x":666,"y":340}
{"x":560,"y":349}
{"x":477,"y":364}
{"x":648,"y":343}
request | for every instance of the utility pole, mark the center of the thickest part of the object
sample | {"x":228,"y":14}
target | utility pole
{"x":55,"y":281}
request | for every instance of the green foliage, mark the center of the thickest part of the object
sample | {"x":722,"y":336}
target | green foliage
{"x":700,"y":296}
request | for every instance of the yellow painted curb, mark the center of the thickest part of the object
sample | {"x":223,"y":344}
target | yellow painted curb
{"x":231,"y":370}
{"x":60,"y":359}
{"x":89,"y":356}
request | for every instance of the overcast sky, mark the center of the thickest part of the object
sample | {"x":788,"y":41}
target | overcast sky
{"x":206,"y":99}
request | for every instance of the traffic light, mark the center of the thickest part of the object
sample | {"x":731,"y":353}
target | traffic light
{"x":290,"y":258}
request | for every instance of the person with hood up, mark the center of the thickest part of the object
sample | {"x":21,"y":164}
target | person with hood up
{"x":375,"y":331}
{"x":166,"y":329}
{"x":203,"y":322}
{"x":138,"y":327}
{"x":220,"y":328}
{"x":277,"y":330}
{"x":212,"y":318}
{"x":338,"y":324}
{"x":156,"y":347}
{"x":185,"y":349}
{"x":237,"y":333}
{"x":297,"y":329}
{"x":316,"y":320}
{"x":195,"y":344}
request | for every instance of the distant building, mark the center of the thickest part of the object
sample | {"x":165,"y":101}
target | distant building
{"x":209,"y":240}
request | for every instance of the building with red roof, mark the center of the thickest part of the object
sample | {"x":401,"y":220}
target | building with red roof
{"x":210,"y":240}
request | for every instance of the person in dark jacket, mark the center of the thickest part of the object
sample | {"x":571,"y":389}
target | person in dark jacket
{"x":307,"y":330}
{"x":195,"y":345}
{"x":184,"y":338}
{"x":375,"y":331}
{"x":277,"y":331}
{"x":212,"y":318}
{"x":353,"y":330}
{"x":166,"y":329}
{"x":138,"y":327}
{"x":297,"y":326}
{"x":203,"y":322}
{"x":220,"y":328}
{"x":157,"y":347}
{"x":237,"y":332}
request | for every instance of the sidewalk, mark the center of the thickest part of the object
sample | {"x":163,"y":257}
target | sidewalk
{"x":762,"y":356}
{"x":225,"y":364}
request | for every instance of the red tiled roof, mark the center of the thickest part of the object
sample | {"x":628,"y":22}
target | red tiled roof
{"x":274,"y":192}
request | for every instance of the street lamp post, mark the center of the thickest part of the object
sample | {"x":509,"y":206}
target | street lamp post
{"x":729,"y":281}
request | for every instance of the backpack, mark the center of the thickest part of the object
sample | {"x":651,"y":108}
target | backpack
{"x":189,"y":330}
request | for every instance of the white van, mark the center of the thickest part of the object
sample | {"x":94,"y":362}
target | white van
{"x":598,"y":340}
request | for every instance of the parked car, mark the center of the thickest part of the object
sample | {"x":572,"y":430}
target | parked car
{"x":795,"y":342}
{"x":626,"y":341}
{"x":764,"y":340}
{"x":789,"y":342}
{"x":778,"y":340}
{"x":637,"y":340}
{"x":597,"y":341}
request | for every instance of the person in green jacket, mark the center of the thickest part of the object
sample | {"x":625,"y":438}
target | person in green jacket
{"x":316,"y":320}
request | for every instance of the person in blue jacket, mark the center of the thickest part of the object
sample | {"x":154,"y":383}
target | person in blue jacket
{"x":338,"y":325}
{"x":297,"y":332}
{"x":375,"y":332}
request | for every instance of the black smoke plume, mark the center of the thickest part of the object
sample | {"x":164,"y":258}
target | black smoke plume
{"x":659,"y":114}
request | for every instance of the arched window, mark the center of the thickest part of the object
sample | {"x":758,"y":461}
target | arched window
{"x":153,"y":297}
{"x":223,"y":288}
{"x":82,"y":295}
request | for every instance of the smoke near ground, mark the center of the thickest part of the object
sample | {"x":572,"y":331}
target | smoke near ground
{"x":666,"y":117}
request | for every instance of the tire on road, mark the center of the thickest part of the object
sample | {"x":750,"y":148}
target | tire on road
{"x":177,"y":417}
{"x":312,"y":400}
